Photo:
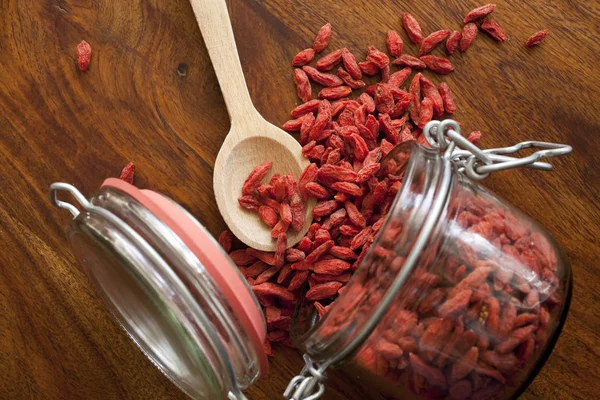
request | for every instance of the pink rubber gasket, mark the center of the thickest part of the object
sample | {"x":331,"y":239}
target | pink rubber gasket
{"x":219,"y":267}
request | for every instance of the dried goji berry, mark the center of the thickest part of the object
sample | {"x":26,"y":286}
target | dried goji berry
{"x":415,"y":90}
{"x":329,"y":174}
{"x":455,"y":304}
{"x":438,"y":65}
{"x":267,"y":348}
{"x":412,"y":27}
{"x":479,"y":12}
{"x":517,"y":337}
{"x":322,"y":38}
{"x":426,"y":113}
{"x":347,"y":187}
{"x":402,"y":104}
{"x":453,"y":42}
{"x":343,"y":253}
{"x":256,"y":269}
{"x":302,"y":85}
{"x":466,"y":364}
{"x":394,"y":43}
{"x":409,"y":61}
{"x":322,"y":120}
{"x":399,"y":77}
{"x":350,"y":64}
{"x":361,"y":238}
{"x":428,"y":89}
{"x":280,"y":227}
{"x":377,"y":57}
{"x":303,"y":57}
{"x":317,"y":191}
{"x":385,"y":73}
{"x":327,"y":62}
{"x":84,"y":54}
{"x":249,"y":203}
{"x":127,"y":173}
{"x":241,"y":258}
{"x":332,"y":93}
{"x":359,"y":145}
{"x":469,"y":33}
{"x":348,"y":80}
{"x":322,"y":78}
{"x":266,"y":275}
{"x":226,"y":240}
{"x":274,"y":289}
{"x":323,"y":291}
{"x":257,"y":174}
{"x":474,"y":137}
{"x":447,"y":98}
{"x":280,"y":248}
{"x":431,"y":41}
{"x":384,"y":100}
{"x":354,"y":215}
{"x":494,"y":30}
{"x":536,"y":38}
{"x":368,"y":68}
{"x":293,"y":125}
{"x":324,"y":208}
{"x":430,"y":373}
{"x":264,"y":256}
{"x":391,"y":132}
{"x":298,"y":280}
{"x":333,"y":266}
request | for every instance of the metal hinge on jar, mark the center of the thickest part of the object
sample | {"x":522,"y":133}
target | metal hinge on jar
{"x":478,"y":164}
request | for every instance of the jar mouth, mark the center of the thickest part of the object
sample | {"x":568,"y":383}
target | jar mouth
{"x":179,"y":317}
{"x":426,"y":179}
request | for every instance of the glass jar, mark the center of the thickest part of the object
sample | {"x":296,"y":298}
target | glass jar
{"x":172,"y":288}
{"x":460,"y":295}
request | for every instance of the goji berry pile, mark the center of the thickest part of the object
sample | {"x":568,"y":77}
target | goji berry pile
{"x":345,"y":135}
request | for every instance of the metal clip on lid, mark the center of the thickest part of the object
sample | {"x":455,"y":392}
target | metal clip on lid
{"x":59,"y":186}
{"x":468,"y":157}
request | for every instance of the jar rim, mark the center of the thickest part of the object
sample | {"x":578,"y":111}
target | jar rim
{"x":317,"y":342}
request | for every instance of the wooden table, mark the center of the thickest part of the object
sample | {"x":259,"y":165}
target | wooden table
{"x":151,"y":96}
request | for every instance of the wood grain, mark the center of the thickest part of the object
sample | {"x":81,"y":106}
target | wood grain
{"x":151,"y":96}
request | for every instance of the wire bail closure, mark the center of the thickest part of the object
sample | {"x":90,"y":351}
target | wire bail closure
{"x":77,"y":195}
{"x":302,"y":386}
{"x":478,"y":164}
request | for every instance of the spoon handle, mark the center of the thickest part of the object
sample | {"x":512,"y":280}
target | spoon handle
{"x":214,"y":23}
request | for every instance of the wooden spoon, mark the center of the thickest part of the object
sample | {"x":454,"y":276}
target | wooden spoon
{"x":251,"y":139}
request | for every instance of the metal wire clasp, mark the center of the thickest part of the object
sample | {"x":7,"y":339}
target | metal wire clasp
{"x":478,"y":164}
{"x":59,"y":186}
{"x":302,"y":386}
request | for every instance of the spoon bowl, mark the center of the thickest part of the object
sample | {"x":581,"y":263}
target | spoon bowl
{"x":236,"y":159}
